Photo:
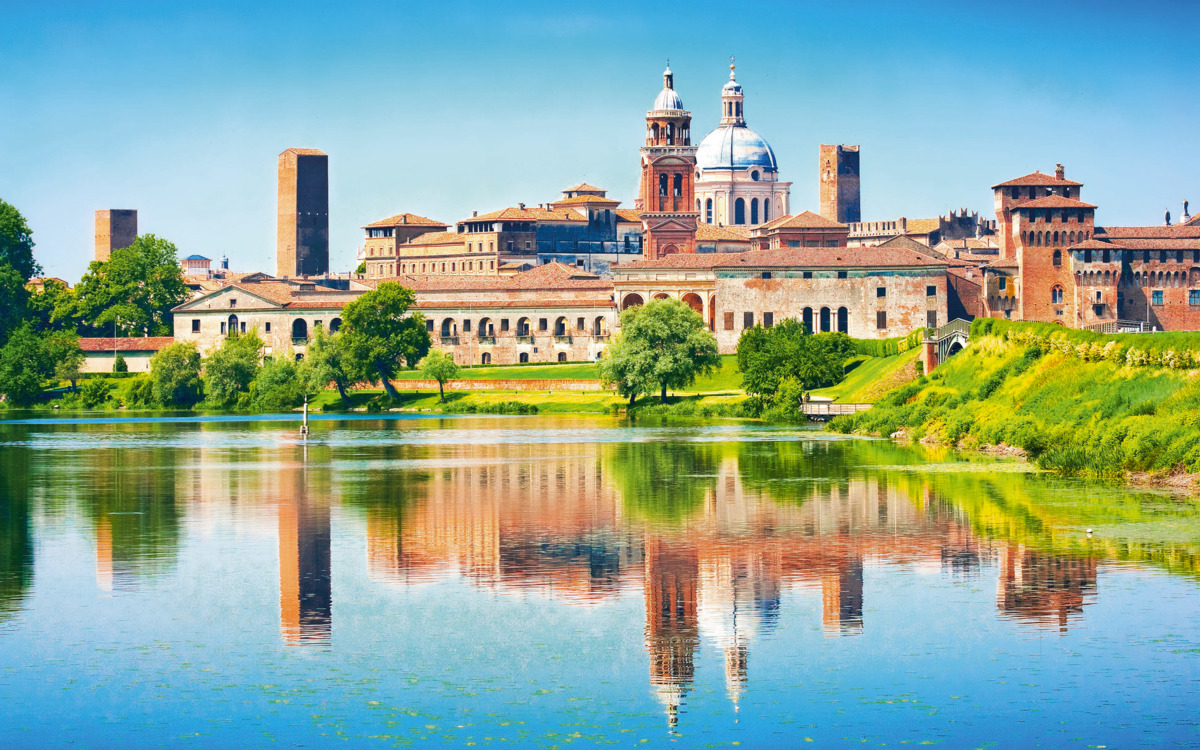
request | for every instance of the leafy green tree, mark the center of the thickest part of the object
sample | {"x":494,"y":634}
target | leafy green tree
{"x":63,"y":355}
{"x":16,"y":243}
{"x":119,"y":364}
{"x":14,"y":298}
{"x":361,"y":268}
{"x":231,"y":368}
{"x":323,"y":364}
{"x":23,"y":366}
{"x":769,"y":356}
{"x":137,"y":391}
{"x":175,"y":375}
{"x":278,"y":386}
{"x":377,"y":334}
{"x":663,"y":344}
{"x":42,"y":305}
{"x":134,"y":290}
{"x":440,"y":366}
{"x":94,"y":393}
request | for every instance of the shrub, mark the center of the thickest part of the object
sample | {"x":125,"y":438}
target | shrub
{"x":93,"y":393}
{"x":119,"y":364}
{"x":137,"y":392}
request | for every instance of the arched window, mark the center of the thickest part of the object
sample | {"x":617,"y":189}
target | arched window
{"x":1072,"y":235}
{"x":1057,"y":257}
{"x":825,"y":320}
{"x":766,"y":210}
{"x":299,"y":330}
{"x":334,"y":325}
{"x":808,"y":319}
{"x":485,"y":358}
{"x":654,"y":132}
{"x":662,"y":185}
{"x":708,"y":211}
{"x":739,"y":211}
{"x":524,"y":357}
{"x":1024,"y":237}
{"x":754,"y":210}
{"x":562,"y":356}
{"x":1056,"y":295}
{"x":1056,"y":238}
{"x":843,"y":320}
{"x":678,"y":187}
{"x":1038,"y":243}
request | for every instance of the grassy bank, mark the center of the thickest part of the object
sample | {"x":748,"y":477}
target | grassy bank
{"x":873,"y":378}
{"x":1075,"y":402}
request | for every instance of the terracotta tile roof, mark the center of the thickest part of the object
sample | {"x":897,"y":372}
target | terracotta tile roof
{"x":678,"y":260}
{"x":804,"y":220}
{"x":532,"y":304}
{"x":1155,"y":232}
{"x":1036,"y":178}
{"x":401,"y":220}
{"x":970,"y":243}
{"x":903,"y":242}
{"x":1167,"y":244}
{"x":628,"y":215}
{"x":583,"y":187}
{"x":712,"y":232}
{"x":1095,"y":244}
{"x":580,"y":200}
{"x":922,"y":226}
{"x":551,"y":276}
{"x":1002,"y":263}
{"x":305,"y":151}
{"x":151,"y":344}
{"x":1055,"y":201}
{"x":528,"y":214}
{"x":434,"y":238}
{"x":822,"y":257}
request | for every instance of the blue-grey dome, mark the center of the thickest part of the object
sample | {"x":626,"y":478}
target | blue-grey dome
{"x":667,"y":99}
{"x":732,"y":87}
{"x":735,"y":147}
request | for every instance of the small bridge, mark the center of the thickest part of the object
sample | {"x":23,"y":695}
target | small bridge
{"x":950,"y":338}
{"x":823,"y":411}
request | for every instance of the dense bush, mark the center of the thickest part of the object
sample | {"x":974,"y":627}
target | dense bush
{"x":93,"y":393}
{"x":888,"y":347}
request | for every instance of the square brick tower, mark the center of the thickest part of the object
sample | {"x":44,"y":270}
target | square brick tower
{"x":666,"y":195}
{"x":115,"y":228}
{"x":840,"y":200}
{"x":302,"y":235}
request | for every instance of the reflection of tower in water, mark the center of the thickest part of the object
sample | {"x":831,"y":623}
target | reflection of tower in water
{"x":842,"y":599}
{"x":1043,"y":590}
{"x":305,"y":593}
{"x":672,"y":632}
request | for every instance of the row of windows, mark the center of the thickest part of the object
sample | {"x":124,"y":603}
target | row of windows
{"x":231,"y":326}
{"x":739,"y":210}
{"x":1156,"y":296}
{"x":470,"y":266}
{"x":486,"y":327}
{"x":1050,"y":239}
{"x":1034,"y":191}
{"x":1049,"y":215}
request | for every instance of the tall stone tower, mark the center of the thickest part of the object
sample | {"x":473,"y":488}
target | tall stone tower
{"x":115,"y":228}
{"x":302,"y":235}
{"x":666,"y":198}
{"x":840,"y":198}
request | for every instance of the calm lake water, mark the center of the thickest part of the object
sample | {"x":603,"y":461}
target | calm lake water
{"x":553,"y":581}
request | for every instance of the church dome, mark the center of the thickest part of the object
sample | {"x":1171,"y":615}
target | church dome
{"x":735,"y":147}
{"x":667,"y":99}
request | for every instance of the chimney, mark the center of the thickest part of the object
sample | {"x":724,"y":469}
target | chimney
{"x":1059,"y":172}
{"x":474,"y":214}
{"x":903,"y":225}
{"x":404,"y":219}
{"x":521,"y":206}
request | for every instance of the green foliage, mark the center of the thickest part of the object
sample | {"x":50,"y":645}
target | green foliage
{"x":769,"y":356}
{"x":134,"y":290}
{"x":376,"y":334}
{"x":663,"y":344}
{"x":137,"y":392}
{"x":175,"y":375}
{"x":889,"y":347}
{"x":94,"y":393}
{"x":502,"y":407}
{"x":119,"y":364}
{"x":14,"y":298}
{"x":230,"y":369}
{"x":23,"y":366}
{"x":361,"y":267}
{"x":278,"y":386}
{"x":41,"y":305}
{"x":324,"y":364}
{"x":439,"y":366}
{"x":16,"y":243}
{"x":63,"y":355}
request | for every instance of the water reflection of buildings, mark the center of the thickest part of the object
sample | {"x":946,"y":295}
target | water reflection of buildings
{"x":1047,"y":591}
{"x":305,"y":580}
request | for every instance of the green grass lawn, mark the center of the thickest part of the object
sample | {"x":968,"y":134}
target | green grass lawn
{"x":558,"y":402}
{"x":727,"y":378}
{"x":861,"y":385}
{"x":565,"y":371}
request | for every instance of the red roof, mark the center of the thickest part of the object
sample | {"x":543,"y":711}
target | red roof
{"x":1036,"y":178}
{"x":679,"y":260}
{"x":305,"y":151}
{"x":549,"y":277}
{"x":585,"y":199}
{"x":1168,"y":244}
{"x":583,"y":187}
{"x":150,"y":344}
{"x":406,"y":220}
{"x":527,"y":214}
{"x":1177,"y":231}
{"x":628,"y":215}
{"x":1055,"y":201}
{"x":822,"y":257}
{"x":1095,"y":244}
{"x":803,"y":220}
{"x":714,"y":233}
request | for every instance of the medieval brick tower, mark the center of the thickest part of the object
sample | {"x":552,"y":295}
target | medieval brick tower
{"x":840,"y":197}
{"x":666,"y":197}
{"x":302,"y":234}
{"x":115,"y":228}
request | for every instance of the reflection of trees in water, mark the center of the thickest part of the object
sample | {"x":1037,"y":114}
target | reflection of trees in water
{"x":663,"y":482}
{"x":16,"y":538}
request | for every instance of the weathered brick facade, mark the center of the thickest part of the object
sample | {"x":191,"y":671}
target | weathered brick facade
{"x":115,"y":228}
{"x":840,"y":197}
{"x":302,"y":228}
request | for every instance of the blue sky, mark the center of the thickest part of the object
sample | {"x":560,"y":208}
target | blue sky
{"x":180,"y":109}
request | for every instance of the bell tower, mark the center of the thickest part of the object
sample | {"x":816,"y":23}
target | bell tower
{"x":666,"y":196}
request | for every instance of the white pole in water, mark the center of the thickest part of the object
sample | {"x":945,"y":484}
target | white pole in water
{"x":304,"y":424}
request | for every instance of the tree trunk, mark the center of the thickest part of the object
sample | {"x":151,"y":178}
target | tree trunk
{"x":441,"y":392}
{"x":664,"y":393}
{"x":342,"y":392}
{"x":632,"y":398}
{"x":387,"y":386}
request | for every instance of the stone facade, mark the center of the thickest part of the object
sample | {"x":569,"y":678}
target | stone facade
{"x":115,"y":228}
{"x":839,"y":181}
{"x":302,"y":228}
{"x":100,"y":354}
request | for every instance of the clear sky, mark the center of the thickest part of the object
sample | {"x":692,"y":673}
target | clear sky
{"x":180,"y":110}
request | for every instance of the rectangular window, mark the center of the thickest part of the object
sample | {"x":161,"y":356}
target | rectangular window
{"x":931,"y":319}
{"x":429,"y":325}
{"x":243,"y":327}
{"x":1157,"y":297}
{"x":267,"y":327}
{"x":881,"y":291}
{"x":812,"y":243}
{"x":233,"y":301}
{"x":526,"y":245}
{"x":931,"y":291}
{"x":881,"y":319}
{"x":579,"y":324}
{"x":195,"y":325}
{"x":466,"y":326}
{"x":222,"y":328}
{"x":543,"y":324}
{"x":841,"y":274}
{"x":766,"y":274}
{"x":807,"y":274}
{"x":728,"y":321}
{"x":793,"y":243}
{"x":768,"y":319}
{"x":1003,"y":283}
{"x":1194,"y":296}
{"x":504,"y":324}
{"x":748,"y":320}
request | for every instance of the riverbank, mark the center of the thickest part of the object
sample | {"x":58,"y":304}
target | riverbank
{"x":1076,"y":403}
